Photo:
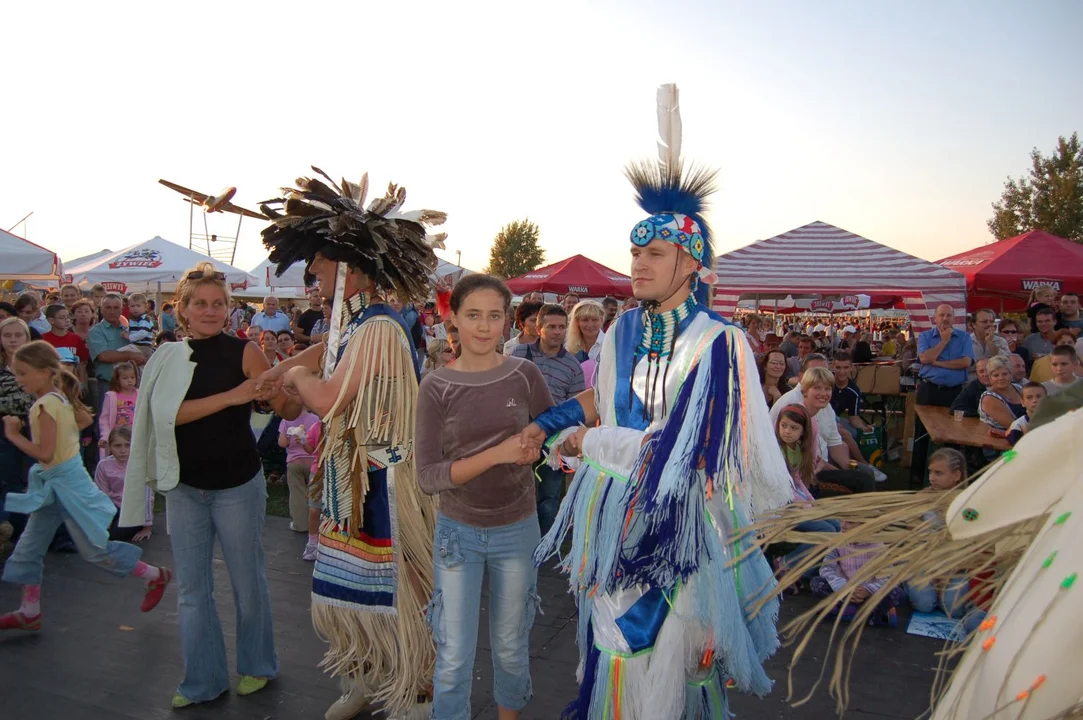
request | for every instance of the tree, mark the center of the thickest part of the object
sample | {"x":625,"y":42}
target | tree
{"x":515,"y":250}
{"x":1051,"y":199}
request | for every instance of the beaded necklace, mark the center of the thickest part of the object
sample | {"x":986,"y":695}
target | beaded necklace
{"x":659,"y":340}
{"x":352,"y":311}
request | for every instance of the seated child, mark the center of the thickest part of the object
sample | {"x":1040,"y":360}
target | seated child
{"x":1033,"y":393}
{"x":839,"y":566}
{"x":947,"y":470}
{"x":797,"y":439}
{"x":109,"y":477}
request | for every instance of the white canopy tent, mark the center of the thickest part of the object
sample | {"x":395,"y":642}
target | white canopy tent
{"x":292,"y":282}
{"x":23,"y":260}
{"x":152,"y":266}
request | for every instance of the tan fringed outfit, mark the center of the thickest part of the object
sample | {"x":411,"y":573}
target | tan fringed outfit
{"x":373,"y":572}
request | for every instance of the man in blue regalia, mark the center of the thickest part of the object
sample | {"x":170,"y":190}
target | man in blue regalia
{"x":674,"y":452}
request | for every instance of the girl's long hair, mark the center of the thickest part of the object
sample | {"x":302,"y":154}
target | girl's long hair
{"x":40,"y":355}
{"x":5,"y":361}
{"x":798,"y":414}
{"x":114,"y":383}
{"x":781,"y":385}
{"x":573,"y":343}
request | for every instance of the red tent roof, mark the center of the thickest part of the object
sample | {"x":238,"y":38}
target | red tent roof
{"x":577,"y":274}
{"x":1002,"y":274}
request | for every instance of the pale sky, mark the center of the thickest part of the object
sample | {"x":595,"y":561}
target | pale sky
{"x":897,"y":121}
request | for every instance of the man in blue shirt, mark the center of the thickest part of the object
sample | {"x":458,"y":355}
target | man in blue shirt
{"x":104,"y":342}
{"x":564,"y":376}
{"x":270,"y":318}
{"x":946,"y":355}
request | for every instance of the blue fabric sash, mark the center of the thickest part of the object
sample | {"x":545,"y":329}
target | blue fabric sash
{"x":69,"y":485}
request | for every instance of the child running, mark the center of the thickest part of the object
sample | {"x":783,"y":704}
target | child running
{"x":61,"y":491}
{"x":118,"y":407}
{"x":109,"y":477}
{"x":796,"y":437}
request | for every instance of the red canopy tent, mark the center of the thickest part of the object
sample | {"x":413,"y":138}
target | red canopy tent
{"x":1001,"y":275}
{"x":577,"y":274}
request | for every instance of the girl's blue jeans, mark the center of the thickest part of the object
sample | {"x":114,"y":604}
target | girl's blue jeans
{"x":461,"y":554}
{"x":27,"y":563}
{"x":235,"y":517}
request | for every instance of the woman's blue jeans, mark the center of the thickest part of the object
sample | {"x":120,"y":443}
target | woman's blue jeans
{"x":235,"y":517}
{"x":460,"y":555}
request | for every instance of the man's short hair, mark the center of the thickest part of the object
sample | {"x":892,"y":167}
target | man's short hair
{"x":1046,"y":311}
{"x":609,"y":300}
{"x":113,"y":296}
{"x":804,"y":338}
{"x":65,"y":286}
{"x":811,"y":358}
{"x":526,"y":309}
{"x":550,"y":309}
{"x":167,"y":306}
{"x":280,"y":333}
{"x":1066,"y":351}
{"x":1035,"y":385}
{"x":986,"y":311}
{"x":1073,"y":294}
{"x":53,"y":310}
{"x":842,"y":356}
{"x":96,"y":287}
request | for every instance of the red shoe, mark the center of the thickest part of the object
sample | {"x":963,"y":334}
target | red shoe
{"x":17,"y":621}
{"x":156,"y":589}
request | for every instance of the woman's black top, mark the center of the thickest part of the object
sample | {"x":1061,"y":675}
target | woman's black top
{"x":217,"y":452}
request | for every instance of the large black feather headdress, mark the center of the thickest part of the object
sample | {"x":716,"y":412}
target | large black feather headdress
{"x":390,"y":246}
{"x":673,"y":195}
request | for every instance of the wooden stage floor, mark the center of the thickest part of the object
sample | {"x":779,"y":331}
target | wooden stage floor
{"x":98,"y":658}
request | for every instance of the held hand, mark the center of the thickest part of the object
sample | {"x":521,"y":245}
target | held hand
{"x":12,"y":426}
{"x":528,"y":456}
{"x":103,"y":443}
{"x":532,"y":436}
{"x":510,"y":452}
{"x":860,"y":595}
{"x":271,"y":378}
{"x":142,"y":535}
{"x":573,"y":446}
{"x":244,"y":393}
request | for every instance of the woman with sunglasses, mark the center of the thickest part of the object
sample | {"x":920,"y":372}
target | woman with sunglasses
{"x":210,"y":472}
{"x":1009,"y":330}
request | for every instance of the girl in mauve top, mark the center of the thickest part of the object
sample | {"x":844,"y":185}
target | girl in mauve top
{"x":468,"y":450}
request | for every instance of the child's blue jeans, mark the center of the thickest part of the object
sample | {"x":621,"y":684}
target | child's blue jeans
{"x":27,"y":564}
{"x":460,"y":555}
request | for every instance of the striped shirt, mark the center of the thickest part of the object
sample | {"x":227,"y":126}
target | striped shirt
{"x":562,"y":372}
{"x":141,"y":330}
{"x":844,"y":562}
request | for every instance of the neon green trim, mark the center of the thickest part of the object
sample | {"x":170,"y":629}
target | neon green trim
{"x":706,"y":680}
{"x":622,"y":655}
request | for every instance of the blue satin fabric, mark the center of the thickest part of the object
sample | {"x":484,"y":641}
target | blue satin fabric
{"x":641,"y":624}
{"x":559,"y":417}
{"x":627,"y":405}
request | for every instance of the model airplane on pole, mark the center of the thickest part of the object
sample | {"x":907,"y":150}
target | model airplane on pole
{"x":219,"y":247}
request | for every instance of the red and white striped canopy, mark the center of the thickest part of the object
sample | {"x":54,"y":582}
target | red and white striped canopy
{"x":821,"y":259}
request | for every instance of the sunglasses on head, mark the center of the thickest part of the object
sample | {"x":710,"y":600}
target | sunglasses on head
{"x":199,"y":275}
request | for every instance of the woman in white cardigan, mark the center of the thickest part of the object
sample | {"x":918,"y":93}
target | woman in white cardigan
{"x":192,"y":441}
